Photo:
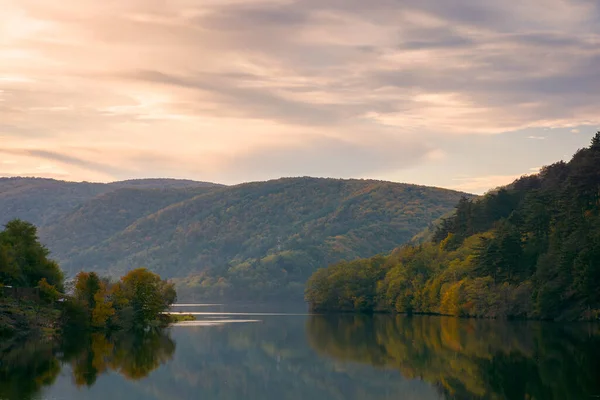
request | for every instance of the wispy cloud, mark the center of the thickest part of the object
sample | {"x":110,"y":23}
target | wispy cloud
{"x":482,"y":184}
{"x":65,"y":159}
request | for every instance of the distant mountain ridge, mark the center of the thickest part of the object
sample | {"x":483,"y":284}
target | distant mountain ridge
{"x":162,"y":183}
{"x":40,"y":200}
{"x":250,"y":241}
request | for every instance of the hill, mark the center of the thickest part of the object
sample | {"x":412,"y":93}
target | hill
{"x":106,"y":215}
{"x":43,"y":201}
{"x":162,"y":183}
{"x":527,"y":250}
{"x":255,"y":241}
{"x":40,"y":201}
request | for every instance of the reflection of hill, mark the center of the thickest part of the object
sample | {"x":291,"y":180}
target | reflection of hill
{"x":272,"y":361}
{"x":29,"y":366}
{"x":319,"y":358}
{"x":470,"y":359}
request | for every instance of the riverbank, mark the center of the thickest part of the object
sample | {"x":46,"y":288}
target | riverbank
{"x":23,"y":318}
{"x":592,"y":316}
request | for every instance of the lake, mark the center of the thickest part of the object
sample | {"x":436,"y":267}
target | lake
{"x":268,"y":353}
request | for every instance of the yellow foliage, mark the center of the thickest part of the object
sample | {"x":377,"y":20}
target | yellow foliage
{"x":103,"y":309}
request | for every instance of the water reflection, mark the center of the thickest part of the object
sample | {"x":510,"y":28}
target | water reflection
{"x":314,"y":357}
{"x":470,"y":359}
{"x":27,"y":367}
{"x":267,"y":360}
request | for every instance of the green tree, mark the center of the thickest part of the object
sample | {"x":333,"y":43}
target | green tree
{"x":24,"y":260}
{"x":147,"y":294}
{"x":48,"y":292}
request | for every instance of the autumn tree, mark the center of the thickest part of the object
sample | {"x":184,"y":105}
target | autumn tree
{"x":87,"y":284}
{"x":530,"y":249}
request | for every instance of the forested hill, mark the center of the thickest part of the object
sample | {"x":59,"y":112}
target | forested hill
{"x":41,"y":201}
{"x":531,"y":249}
{"x":252,"y":241}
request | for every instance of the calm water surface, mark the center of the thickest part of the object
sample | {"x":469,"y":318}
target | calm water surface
{"x":250,"y":352}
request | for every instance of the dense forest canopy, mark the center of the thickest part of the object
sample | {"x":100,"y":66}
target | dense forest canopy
{"x":263,"y":241}
{"x":530,"y":249}
{"x":44,"y":201}
{"x":256,"y":241}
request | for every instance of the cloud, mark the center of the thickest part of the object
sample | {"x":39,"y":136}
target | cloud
{"x":34,"y":174}
{"x":64,"y":159}
{"x":300,"y":155}
{"x":247,"y":102}
{"x":327,"y":156}
{"x":230,"y":79}
{"x":482,"y":184}
{"x":536,"y":137}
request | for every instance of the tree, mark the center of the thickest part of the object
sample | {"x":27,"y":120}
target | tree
{"x":147,"y":294}
{"x":596,"y":141}
{"x":10,"y":273}
{"x":103,"y":309}
{"x":87,"y":284}
{"x":48,"y":292}
{"x":92,"y":293}
{"x":24,"y":260}
{"x":530,"y":249}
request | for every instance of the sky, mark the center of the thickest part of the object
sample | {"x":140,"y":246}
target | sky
{"x":462,"y":94}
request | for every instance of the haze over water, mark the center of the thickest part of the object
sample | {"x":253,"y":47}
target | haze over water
{"x":252,"y":352}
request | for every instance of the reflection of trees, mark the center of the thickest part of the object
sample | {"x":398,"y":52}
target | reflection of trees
{"x":91,"y":359}
{"x":132,"y":355}
{"x":470,"y":359}
{"x":271,"y":360}
{"x":135,"y":356}
{"x":26,"y":368}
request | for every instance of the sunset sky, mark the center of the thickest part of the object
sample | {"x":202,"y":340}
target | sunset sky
{"x":463,"y":94}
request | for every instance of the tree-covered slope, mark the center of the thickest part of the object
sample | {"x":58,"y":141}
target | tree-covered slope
{"x":531,"y":249}
{"x":162,"y":183}
{"x":254,"y":240}
{"x":108,"y":214}
{"x":41,"y":201}
{"x":44,"y":201}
